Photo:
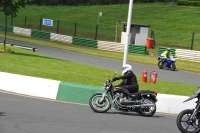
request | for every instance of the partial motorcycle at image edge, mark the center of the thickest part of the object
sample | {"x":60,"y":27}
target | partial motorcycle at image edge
{"x":188,"y":120}
{"x":145,"y":103}
{"x":170,"y":63}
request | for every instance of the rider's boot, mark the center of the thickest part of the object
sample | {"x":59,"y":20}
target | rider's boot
{"x":163,"y":62}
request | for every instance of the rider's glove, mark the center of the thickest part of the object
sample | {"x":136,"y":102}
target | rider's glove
{"x":115,"y":78}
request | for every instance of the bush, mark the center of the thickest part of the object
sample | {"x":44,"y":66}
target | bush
{"x":188,"y":2}
{"x":7,"y":51}
{"x":182,"y":2}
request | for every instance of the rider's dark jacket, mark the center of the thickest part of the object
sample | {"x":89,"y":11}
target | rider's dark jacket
{"x":128,"y":78}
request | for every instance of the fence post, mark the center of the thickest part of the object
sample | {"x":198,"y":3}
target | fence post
{"x":25,"y":22}
{"x":152,"y":36}
{"x":58,"y":25}
{"x":11,"y":22}
{"x":192,"y":41}
{"x":40,"y":24}
{"x":96,"y":32}
{"x":75,"y":29}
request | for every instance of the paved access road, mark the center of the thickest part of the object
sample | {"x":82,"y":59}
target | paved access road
{"x":174,"y":76}
{"x":20,"y":114}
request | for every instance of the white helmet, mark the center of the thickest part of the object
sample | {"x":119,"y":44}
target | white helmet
{"x":168,"y":49}
{"x":126,"y":68}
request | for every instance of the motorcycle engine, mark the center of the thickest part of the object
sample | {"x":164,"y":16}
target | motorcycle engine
{"x":122,"y":100}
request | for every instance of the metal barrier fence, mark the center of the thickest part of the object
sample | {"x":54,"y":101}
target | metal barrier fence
{"x":65,"y":27}
{"x":103,"y":45}
{"x":106,"y":32}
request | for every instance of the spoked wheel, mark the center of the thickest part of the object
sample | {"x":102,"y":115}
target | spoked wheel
{"x":185,"y":125}
{"x":147,"y":111}
{"x":99,"y":106}
{"x":160,"y":64}
{"x":173,"y":67}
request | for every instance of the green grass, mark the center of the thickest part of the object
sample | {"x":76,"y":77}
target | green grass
{"x":172,"y":25}
{"x":28,"y":63}
{"x":141,"y":59}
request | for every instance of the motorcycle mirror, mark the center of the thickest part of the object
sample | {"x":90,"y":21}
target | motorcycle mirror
{"x":115,"y":74}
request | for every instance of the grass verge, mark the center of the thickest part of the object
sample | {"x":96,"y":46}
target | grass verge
{"x":141,"y":59}
{"x":28,"y":63}
{"x":172,"y":25}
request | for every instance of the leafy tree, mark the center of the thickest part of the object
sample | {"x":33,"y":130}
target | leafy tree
{"x":10,"y":8}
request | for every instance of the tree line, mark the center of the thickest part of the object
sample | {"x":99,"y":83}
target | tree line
{"x":75,"y":2}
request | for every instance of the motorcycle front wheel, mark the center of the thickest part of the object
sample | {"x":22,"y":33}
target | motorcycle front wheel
{"x":173,"y":67}
{"x":160,"y":64}
{"x":184,"y":124}
{"x":99,"y":106}
{"x":147,"y":111}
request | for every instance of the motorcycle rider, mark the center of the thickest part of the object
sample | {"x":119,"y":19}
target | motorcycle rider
{"x":166,"y":55}
{"x":129,"y":84}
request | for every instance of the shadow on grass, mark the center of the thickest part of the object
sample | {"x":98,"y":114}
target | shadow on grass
{"x":39,"y":56}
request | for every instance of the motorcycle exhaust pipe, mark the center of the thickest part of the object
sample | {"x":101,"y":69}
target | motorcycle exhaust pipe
{"x":144,"y":105}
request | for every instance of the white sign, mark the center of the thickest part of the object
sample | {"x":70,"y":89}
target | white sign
{"x":100,"y":13}
{"x":47,"y":22}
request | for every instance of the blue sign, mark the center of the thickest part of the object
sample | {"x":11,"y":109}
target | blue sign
{"x":47,"y":22}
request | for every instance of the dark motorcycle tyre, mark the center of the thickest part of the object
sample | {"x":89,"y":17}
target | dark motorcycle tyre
{"x":160,"y":64}
{"x":148,"y":114}
{"x":173,"y":67}
{"x":179,"y":120}
{"x":100,"y":110}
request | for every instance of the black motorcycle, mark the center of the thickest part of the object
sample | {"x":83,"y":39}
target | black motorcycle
{"x":144,"y":103}
{"x":188,"y":121}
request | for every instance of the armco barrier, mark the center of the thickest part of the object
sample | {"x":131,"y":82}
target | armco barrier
{"x":78,"y":93}
{"x":119,"y":47}
{"x":61,"y":38}
{"x":191,"y":55}
{"x":9,"y":28}
{"x":137,"y":49}
{"x":162,"y":49}
{"x":84,"y":42}
{"x":110,"y":46}
{"x":17,"y":30}
{"x":40,"y":34}
{"x":22,"y":31}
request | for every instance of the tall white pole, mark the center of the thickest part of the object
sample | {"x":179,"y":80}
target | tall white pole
{"x":128,"y":29}
{"x":116,"y":32}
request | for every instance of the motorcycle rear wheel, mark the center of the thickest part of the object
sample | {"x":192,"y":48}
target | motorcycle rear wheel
{"x":160,"y":64}
{"x":183,"y":123}
{"x":97,"y":106}
{"x":148,"y":111}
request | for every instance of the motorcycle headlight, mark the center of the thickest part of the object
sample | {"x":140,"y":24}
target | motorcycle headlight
{"x":105,"y":86}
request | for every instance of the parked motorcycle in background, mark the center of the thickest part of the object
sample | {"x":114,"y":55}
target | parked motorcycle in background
{"x":188,"y":121}
{"x":144,"y":103}
{"x":169,"y":63}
